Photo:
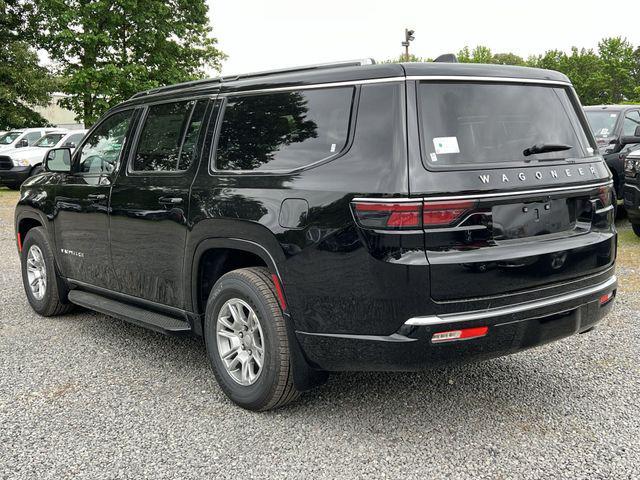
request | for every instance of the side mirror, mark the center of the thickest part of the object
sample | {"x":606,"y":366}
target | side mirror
{"x":628,"y":140}
{"x":58,"y":160}
{"x":22,"y":143}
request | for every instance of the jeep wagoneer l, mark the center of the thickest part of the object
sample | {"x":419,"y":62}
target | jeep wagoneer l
{"x":328,"y":218}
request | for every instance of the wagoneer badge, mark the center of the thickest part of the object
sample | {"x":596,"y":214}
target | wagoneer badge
{"x":539,"y":175}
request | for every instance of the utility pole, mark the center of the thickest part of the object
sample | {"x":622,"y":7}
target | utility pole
{"x":408,"y":37}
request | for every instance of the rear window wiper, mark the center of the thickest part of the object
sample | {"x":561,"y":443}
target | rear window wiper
{"x":546,"y":148}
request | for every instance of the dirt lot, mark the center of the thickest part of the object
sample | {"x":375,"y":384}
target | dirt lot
{"x":88,"y":396}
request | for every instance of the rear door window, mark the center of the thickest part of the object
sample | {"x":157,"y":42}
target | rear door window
{"x":283,"y":131}
{"x":467,"y":124}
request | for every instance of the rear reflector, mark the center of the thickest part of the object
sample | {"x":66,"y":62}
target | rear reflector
{"x":19,"y":243}
{"x":410,"y":215}
{"x":279,"y":291}
{"x":606,"y":298}
{"x":463,"y":334}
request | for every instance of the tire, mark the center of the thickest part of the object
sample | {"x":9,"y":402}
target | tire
{"x":636,"y":228}
{"x":52,"y":299}
{"x":272,"y":385}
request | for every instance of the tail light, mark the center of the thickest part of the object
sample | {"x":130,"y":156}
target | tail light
{"x":605,"y":195}
{"x":439,"y":214}
{"x":410,"y":215}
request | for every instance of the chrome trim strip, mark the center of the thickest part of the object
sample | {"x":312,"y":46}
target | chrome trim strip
{"x":498,"y":312}
{"x":314,"y":86}
{"x":630,"y":185}
{"x":487,"y":195}
{"x":605,"y":209}
{"x":469,"y":78}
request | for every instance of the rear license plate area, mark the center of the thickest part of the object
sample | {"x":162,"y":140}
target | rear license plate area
{"x":530,"y":219}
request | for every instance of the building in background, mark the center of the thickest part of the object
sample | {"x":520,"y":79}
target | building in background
{"x":57,"y":115}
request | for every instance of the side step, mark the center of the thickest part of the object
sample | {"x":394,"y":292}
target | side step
{"x":129,"y":313}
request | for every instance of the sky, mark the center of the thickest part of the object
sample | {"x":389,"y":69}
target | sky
{"x":261,"y":35}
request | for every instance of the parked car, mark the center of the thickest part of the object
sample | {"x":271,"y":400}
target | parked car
{"x":609,"y":123}
{"x":18,"y":165}
{"x":632,"y":187}
{"x":345,"y":217}
{"x":25,"y":137}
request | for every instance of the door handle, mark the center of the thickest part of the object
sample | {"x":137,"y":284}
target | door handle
{"x":97,"y":196}
{"x":170,"y":200}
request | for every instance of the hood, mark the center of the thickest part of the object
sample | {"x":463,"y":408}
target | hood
{"x":30,"y":153}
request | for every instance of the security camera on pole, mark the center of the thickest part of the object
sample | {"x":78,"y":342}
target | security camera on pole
{"x":408,"y":37}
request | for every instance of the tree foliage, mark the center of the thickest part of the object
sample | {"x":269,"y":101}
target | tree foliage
{"x":106,"y":50}
{"x":23,"y":83}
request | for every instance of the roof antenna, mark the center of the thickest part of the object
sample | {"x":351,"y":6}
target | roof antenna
{"x":446,"y":58}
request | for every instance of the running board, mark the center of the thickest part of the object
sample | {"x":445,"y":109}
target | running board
{"x":129,"y":313}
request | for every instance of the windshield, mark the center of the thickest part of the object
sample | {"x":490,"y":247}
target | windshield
{"x":474,"y":123}
{"x":602,"y":122}
{"x":8,"y":138}
{"x":50,"y":140}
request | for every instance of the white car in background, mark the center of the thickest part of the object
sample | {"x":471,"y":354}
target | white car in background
{"x":23,"y":137}
{"x":19,"y":164}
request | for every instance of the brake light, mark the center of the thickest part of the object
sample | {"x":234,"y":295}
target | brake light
{"x":462,"y":334}
{"x":389,"y":215}
{"x":444,"y":213}
{"x":410,"y":215}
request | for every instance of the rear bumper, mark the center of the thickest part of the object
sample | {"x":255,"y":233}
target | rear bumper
{"x":14,"y":175}
{"x":512,"y":328}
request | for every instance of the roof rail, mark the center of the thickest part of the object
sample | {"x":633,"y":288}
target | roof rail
{"x":227,"y":78}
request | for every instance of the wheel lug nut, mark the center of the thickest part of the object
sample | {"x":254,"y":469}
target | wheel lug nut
{"x":249,"y":352}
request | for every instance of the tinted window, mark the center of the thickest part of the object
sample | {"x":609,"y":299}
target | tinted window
{"x":472,"y":123}
{"x":74,"y":139}
{"x":602,"y":122}
{"x":283,"y":131}
{"x":631,"y":122}
{"x":32,"y":137}
{"x":101,"y":151}
{"x":159,"y":145}
{"x":189,"y":152}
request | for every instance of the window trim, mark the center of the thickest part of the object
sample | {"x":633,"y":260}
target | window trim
{"x":355,"y":99}
{"x":423,"y":145}
{"x":75,"y":158}
{"x":138,"y":133}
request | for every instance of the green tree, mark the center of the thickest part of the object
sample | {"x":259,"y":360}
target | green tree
{"x":480,"y":54}
{"x":106,"y":50}
{"x":23,"y":83}
{"x":508,"y":59}
{"x":618,"y":62}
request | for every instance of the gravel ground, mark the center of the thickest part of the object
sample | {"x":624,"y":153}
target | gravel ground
{"x":88,"y":396}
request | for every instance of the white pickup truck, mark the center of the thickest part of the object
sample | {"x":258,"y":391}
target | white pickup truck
{"x":18,"y":164}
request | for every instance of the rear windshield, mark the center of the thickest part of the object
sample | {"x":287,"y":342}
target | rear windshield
{"x":602,"y":122}
{"x":466,"y":123}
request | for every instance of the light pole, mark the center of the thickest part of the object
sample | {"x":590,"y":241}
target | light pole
{"x":408,"y":37}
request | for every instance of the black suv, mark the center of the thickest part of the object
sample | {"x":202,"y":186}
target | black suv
{"x":613,"y":125}
{"x":346,"y":217}
{"x":632,"y":188}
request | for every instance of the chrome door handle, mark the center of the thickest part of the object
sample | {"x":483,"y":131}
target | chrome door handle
{"x":170,"y":200}
{"x":97,"y":196}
